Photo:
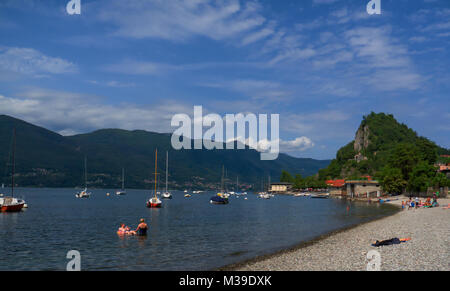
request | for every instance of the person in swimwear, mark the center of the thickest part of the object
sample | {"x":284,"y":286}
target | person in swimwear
{"x":142,"y":228}
{"x":125,"y":230}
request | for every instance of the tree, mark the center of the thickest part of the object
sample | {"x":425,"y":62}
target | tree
{"x":422,"y":177}
{"x":298,"y":182}
{"x":392,"y":180}
{"x":404,"y":157}
{"x":286,"y":177}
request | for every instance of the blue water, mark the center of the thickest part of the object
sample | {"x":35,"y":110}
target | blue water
{"x":185,"y":234}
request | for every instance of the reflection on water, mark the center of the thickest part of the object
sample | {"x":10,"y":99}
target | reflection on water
{"x":185,"y":234}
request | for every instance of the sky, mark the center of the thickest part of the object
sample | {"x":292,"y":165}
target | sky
{"x":320,"y":64}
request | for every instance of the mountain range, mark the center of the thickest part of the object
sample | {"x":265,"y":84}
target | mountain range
{"x":47,"y":159}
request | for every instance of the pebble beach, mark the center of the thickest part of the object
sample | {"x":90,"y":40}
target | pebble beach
{"x":428,"y":249}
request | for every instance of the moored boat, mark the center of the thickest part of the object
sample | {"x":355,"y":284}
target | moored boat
{"x":167,"y":194}
{"x":122,"y":191}
{"x":154,"y":202}
{"x":84,"y":193}
{"x":12,"y":204}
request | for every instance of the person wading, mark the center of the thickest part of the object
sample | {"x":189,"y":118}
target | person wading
{"x":142,"y":228}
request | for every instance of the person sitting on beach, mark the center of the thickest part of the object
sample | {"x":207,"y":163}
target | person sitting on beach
{"x":142,"y":228}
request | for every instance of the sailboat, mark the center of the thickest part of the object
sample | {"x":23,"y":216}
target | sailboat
{"x":167,"y":194}
{"x":221,"y":197}
{"x":84,"y":193}
{"x":154,"y":202}
{"x":263,"y":194}
{"x":122,"y":191}
{"x":11,"y":204}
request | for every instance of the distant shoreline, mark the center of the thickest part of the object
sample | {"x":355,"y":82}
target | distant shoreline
{"x":346,"y":249}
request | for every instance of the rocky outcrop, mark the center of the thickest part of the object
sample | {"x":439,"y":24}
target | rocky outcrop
{"x":361,"y":142}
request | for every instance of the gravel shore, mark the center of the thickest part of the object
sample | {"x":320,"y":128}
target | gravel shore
{"x":428,"y":249}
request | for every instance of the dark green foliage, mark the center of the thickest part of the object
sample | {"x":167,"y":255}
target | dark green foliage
{"x":390,"y":143}
{"x":392,"y":181}
{"x":286,"y":177}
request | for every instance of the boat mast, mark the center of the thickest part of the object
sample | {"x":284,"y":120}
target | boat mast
{"x":223,"y":173}
{"x":123,"y":179}
{"x":85,"y":172}
{"x":13,"y":162}
{"x":167,"y":167}
{"x":156,"y":173}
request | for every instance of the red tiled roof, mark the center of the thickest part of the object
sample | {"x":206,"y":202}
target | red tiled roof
{"x":335,"y":183}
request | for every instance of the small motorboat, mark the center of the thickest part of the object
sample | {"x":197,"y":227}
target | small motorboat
{"x":219,"y":199}
{"x":83,"y":194}
{"x":188,"y":196}
{"x":320,"y":196}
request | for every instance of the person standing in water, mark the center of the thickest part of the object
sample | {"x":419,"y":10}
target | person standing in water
{"x":142,"y":228}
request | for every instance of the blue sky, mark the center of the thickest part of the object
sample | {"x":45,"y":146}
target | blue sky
{"x":320,"y":64}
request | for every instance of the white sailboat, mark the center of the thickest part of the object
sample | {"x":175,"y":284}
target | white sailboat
{"x":155,"y":202}
{"x":122,"y":191}
{"x":84,"y":193}
{"x":167,"y":194}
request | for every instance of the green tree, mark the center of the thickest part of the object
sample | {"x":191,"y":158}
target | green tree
{"x":299,"y":182}
{"x":404,"y":157}
{"x":286,"y":177}
{"x":392,"y":180}
{"x":422,"y":177}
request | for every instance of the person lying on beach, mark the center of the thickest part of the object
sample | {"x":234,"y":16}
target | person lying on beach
{"x":392,"y":241}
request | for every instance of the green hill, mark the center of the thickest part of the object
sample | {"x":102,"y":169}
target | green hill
{"x":47,"y":159}
{"x":382,"y":143}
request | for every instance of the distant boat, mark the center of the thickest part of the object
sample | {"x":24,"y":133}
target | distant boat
{"x":154,"y":202}
{"x":264,"y":195}
{"x":221,"y":197}
{"x":122,"y":191}
{"x":167,"y":194}
{"x":188,"y":196}
{"x":11,"y":204}
{"x":84,"y":193}
{"x":320,"y":196}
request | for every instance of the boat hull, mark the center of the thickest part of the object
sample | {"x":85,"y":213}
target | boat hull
{"x":12,"y":208}
{"x":153,"y":205}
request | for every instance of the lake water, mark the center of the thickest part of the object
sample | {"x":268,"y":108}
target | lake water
{"x":185,"y":234}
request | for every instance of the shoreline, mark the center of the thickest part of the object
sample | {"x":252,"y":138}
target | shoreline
{"x":346,"y":249}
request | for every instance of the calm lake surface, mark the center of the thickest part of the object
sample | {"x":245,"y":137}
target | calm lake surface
{"x":185,"y":234}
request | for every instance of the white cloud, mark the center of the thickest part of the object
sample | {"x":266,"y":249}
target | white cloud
{"x":68,"y":112}
{"x":179,"y":20}
{"x":299,"y":144}
{"x":32,"y":62}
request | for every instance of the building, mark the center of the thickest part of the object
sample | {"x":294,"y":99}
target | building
{"x":280,"y":187}
{"x":336,"y":187}
{"x":362,"y":188}
{"x":445,"y":170}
